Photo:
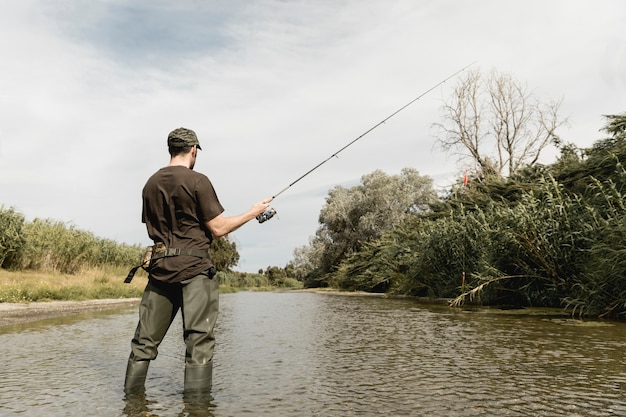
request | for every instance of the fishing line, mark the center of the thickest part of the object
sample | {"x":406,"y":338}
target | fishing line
{"x":270,"y":212}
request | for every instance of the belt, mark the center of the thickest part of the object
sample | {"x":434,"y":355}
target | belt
{"x":159,"y":251}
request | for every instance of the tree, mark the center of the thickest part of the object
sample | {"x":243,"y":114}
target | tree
{"x":497,"y":124}
{"x":224,"y":253}
{"x":304,"y":261}
{"x":275,"y":274}
{"x":354,"y":216}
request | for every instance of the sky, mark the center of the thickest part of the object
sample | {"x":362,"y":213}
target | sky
{"x":90,"y":90}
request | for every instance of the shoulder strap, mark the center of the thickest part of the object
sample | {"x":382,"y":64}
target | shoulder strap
{"x":131,"y":274}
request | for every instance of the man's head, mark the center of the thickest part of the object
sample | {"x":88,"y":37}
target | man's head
{"x":181,"y":141}
{"x":182,"y":138}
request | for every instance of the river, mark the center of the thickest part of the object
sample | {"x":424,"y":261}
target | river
{"x":308,"y":354}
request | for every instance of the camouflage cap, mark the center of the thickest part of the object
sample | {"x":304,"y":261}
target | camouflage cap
{"x":181,"y":138}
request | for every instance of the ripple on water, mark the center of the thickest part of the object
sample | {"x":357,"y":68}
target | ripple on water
{"x":295,"y":354}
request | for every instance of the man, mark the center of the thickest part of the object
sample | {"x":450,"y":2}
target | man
{"x":182,"y":215}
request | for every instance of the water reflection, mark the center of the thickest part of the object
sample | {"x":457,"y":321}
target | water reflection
{"x":139,"y":405}
{"x":292,"y":354}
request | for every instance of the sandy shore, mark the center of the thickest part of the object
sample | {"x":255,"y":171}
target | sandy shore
{"x":15,"y":313}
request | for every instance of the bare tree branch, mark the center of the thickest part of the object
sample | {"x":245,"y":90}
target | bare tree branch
{"x":497,"y":124}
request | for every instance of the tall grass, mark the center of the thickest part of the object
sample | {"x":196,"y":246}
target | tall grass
{"x":52,"y":246}
{"x":11,"y":237}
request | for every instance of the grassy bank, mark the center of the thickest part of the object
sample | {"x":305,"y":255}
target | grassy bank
{"x":29,"y":286}
{"x":107,"y":283}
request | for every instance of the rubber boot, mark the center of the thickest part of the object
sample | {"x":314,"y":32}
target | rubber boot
{"x":198,"y":378}
{"x":136,"y":372}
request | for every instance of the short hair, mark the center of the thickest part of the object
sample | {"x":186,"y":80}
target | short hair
{"x":177,"y":150}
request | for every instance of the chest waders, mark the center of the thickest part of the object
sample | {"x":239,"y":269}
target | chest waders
{"x":198,"y":299}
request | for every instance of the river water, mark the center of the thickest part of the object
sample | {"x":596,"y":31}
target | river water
{"x":306,"y":354}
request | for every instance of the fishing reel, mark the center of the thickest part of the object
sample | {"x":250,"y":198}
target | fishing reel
{"x":266,"y":215}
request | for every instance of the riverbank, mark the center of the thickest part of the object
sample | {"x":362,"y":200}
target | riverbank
{"x":17,"y":313}
{"x":333,"y":291}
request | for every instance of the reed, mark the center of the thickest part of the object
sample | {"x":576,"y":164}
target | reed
{"x":47,"y":245}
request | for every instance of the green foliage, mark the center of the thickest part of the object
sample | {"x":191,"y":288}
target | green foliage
{"x":600,"y":287}
{"x":232,"y":281}
{"x":224,"y":253}
{"x":11,"y":239}
{"x":242,"y":280}
{"x":52,"y":246}
{"x":279,"y":277}
{"x":547,"y":236}
{"x":421,"y":257}
{"x":290,"y":283}
{"x":354,"y":216}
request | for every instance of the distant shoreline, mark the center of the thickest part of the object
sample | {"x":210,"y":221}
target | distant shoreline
{"x":18,"y":313}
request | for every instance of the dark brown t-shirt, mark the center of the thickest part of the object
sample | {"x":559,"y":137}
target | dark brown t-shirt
{"x":176,"y":203}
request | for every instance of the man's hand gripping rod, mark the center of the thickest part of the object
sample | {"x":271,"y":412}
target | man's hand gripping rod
{"x":266,"y":215}
{"x":270,"y":212}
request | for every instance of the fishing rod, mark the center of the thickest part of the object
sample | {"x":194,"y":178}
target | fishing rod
{"x":270,"y":212}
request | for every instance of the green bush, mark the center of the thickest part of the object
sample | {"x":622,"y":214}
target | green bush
{"x":229,"y":281}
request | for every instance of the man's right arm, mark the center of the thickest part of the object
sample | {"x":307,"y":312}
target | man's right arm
{"x":220,"y":225}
